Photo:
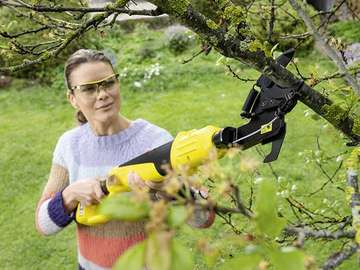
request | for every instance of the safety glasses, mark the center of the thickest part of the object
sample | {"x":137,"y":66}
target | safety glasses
{"x":92,"y":88}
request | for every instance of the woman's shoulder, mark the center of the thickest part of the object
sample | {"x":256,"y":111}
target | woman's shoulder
{"x":151,"y":128}
{"x":72,"y":134}
{"x":155,"y":134}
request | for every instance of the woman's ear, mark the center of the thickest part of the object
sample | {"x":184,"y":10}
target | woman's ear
{"x":71,"y":98}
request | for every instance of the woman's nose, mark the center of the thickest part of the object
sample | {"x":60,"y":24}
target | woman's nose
{"x":101,"y":92}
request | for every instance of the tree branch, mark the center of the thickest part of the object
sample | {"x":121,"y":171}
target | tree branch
{"x":329,"y":51}
{"x":319,"y":234}
{"x":91,"y":23}
{"x":33,"y":31}
{"x":272,"y":21}
{"x":353,"y":184}
{"x":60,"y":8}
{"x":339,"y":257}
{"x":239,"y":204}
{"x":336,"y":75}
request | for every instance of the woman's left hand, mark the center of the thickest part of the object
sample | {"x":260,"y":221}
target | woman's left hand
{"x":136,"y":182}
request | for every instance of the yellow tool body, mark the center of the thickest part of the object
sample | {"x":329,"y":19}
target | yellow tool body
{"x":189,"y":149}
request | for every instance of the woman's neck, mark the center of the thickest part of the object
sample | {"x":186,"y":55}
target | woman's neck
{"x":110,"y":127}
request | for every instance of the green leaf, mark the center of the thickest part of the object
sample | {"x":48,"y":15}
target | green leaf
{"x":211,"y":258}
{"x":288,"y":258}
{"x":177,"y":216}
{"x":181,"y":257}
{"x":133,"y":258}
{"x":158,"y":253}
{"x":243,"y":262}
{"x":267,"y":219}
{"x":123,"y":207}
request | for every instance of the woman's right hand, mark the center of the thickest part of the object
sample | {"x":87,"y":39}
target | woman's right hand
{"x":86,"y":191}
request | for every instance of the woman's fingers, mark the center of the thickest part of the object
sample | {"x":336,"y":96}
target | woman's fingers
{"x":99,"y":194}
{"x":204,"y":192}
{"x":89,"y":200}
{"x":88,"y":191}
{"x":135,"y":181}
{"x":155,"y":185}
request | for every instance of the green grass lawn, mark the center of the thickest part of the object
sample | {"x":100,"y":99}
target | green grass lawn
{"x":32,"y":117}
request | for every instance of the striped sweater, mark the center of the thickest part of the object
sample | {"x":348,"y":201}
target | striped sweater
{"x":80,"y":154}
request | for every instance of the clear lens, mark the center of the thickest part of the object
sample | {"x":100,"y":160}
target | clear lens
{"x":88,"y":88}
{"x":109,"y":83}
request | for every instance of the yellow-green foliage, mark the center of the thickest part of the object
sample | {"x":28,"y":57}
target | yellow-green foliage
{"x":285,"y":23}
{"x":211,"y":24}
{"x":178,"y":7}
{"x":234,"y":14}
{"x":256,"y":44}
{"x":206,"y":7}
{"x":356,"y":127}
{"x":121,"y":3}
{"x":334,"y":113}
{"x":354,"y":159}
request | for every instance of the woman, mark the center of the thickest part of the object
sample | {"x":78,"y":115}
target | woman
{"x":86,"y":153}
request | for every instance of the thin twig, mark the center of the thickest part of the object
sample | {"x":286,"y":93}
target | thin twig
{"x":228,"y":221}
{"x":193,"y":56}
{"x":239,"y":204}
{"x":330,"y":178}
{"x":238,"y":77}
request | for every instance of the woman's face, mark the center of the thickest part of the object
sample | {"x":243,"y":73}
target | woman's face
{"x":101,"y":105}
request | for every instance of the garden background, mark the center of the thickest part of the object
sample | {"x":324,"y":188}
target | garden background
{"x":157,"y":86}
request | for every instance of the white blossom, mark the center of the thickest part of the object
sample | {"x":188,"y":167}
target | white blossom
{"x":339,"y":158}
{"x":137,"y":84}
{"x":258,"y":179}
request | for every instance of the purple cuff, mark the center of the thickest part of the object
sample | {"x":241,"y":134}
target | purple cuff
{"x":57,"y":211}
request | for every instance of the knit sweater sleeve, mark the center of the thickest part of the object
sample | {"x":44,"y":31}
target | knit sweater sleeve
{"x":60,"y":150}
{"x":51,"y":216}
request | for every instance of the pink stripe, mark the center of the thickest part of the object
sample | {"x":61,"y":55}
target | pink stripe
{"x":105,"y":251}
